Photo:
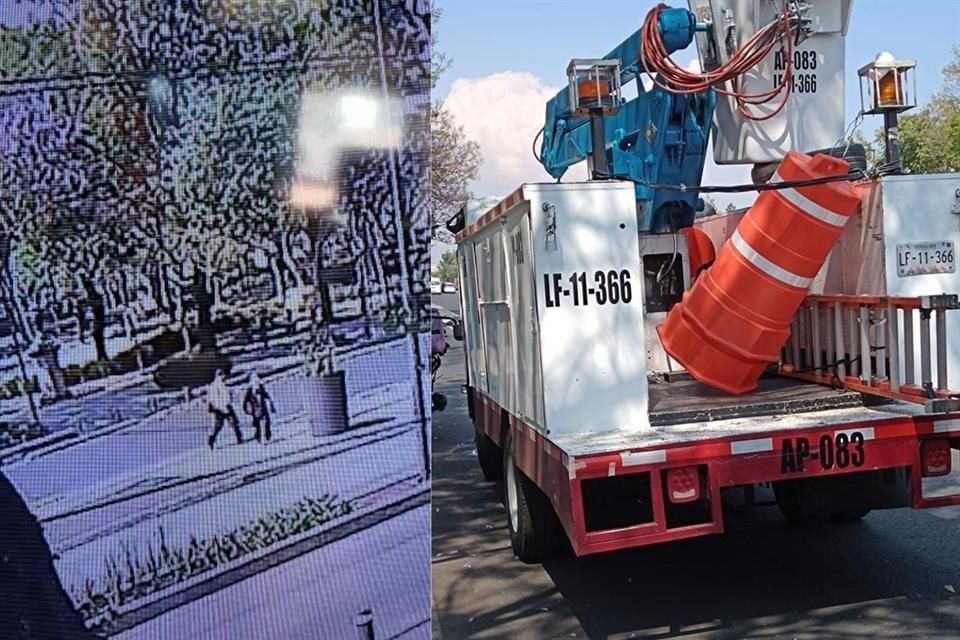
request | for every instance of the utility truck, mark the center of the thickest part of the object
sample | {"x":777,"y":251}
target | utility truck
{"x":612,"y":427}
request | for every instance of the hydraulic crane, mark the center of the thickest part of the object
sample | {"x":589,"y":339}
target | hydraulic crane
{"x":657,"y":137}
{"x":660,"y":138}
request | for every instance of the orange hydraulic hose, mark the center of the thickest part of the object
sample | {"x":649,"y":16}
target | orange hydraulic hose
{"x":679,"y":81}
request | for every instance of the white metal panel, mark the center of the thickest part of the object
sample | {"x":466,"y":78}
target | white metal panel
{"x":813,"y":116}
{"x":917,"y":209}
{"x":529,"y":389}
{"x":470,"y":314}
{"x":495,"y":316}
{"x":594,"y":362}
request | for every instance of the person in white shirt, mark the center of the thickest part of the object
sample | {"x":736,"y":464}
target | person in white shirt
{"x":221,"y":406}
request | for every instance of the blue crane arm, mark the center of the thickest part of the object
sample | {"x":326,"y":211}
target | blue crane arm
{"x":656,"y":138}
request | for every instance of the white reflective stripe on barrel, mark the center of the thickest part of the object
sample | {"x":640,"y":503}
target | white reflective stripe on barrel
{"x":808,"y":206}
{"x":772,"y":270}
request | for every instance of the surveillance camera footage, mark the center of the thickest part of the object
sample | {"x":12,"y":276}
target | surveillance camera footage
{"x":215,"y":319}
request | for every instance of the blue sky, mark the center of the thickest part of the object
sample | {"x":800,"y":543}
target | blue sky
{"x":540,"y":36}
{"x":535,"y":39}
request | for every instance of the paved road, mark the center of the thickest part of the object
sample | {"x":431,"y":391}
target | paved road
{"x":895,"y":575}
{"x":183,"y":429}
{"x":315,"y":596}
{"x":449,"y":301}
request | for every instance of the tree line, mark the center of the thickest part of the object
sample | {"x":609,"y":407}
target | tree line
{"x":154,"y":150}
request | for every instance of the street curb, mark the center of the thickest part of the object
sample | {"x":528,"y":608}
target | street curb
{"x":37,"y":443}
{"x":254,"y":566}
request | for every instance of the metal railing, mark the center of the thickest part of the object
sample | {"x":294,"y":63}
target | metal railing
{"x":873,"y":345}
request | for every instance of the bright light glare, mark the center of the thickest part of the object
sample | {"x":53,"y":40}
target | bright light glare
{"x":358,"y":112}
{"x":159,"y":88}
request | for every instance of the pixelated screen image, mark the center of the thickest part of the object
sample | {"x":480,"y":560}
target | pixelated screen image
{"x":214,"y":319}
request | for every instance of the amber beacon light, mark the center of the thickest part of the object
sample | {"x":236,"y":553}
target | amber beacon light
{"x":888,"y":88}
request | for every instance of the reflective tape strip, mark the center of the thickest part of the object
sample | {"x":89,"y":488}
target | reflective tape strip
{"x":612,"y":469}
{"x":751,"y":446}
{"x":867,"y":433}
{"x":772,"y":270}
{"x":643,"y":457}
{"x":808,"y":206}
{"x":944,"y":426}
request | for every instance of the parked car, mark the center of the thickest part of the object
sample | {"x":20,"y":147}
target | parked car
{"x":435,"y":285}
{"x":449,"y":287}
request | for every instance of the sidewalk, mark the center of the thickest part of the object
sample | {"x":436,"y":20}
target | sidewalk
{"x":99,"y":405}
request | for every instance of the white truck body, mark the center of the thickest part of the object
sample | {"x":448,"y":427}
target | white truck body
{"x":546,"y":350}
{"x":577,"y":408}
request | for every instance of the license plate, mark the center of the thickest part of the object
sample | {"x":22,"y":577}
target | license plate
{"x":831,"y":451}
{"x":925,"y":257}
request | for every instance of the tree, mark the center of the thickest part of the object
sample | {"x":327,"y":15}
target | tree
{"x":730,"y":207}
{"x":930,"y":138}
{"x":454,"y":159}
{"x":454,"y":162}
{"x":155,"y":149}
{"x":446,"y":268}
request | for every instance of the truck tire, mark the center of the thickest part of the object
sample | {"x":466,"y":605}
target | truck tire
{"x":790,"y":501}
{"x":797,"y":510}
{"x":489,"y":455}
{"x":849,"y":515}
{"x":530,"y":516}
{"x":855,"y":155}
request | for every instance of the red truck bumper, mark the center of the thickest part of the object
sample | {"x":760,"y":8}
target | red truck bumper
{"x":663,"y":476}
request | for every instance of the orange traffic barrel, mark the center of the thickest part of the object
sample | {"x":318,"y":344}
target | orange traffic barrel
{"x":736,"y":317}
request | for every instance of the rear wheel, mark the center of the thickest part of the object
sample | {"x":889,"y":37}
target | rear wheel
{"x":793,"y":506}
{"x":849,"y":515}
{"x":530,"y":516}
{"x":489,"y":455}
{"x":798,"y":508}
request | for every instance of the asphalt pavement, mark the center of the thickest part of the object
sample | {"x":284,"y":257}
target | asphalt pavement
{"x":894,"y":575}
{"x":449,"y":301}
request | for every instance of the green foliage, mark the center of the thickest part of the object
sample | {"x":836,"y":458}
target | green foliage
{"x":96,"y":370}
{"x":16,"y":386}
{"x":320,"y":352}
{"x":16,"y":433}
{"x":447,"y":267}
{"x":135,"y":573}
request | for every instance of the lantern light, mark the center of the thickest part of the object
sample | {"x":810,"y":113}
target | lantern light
{"x":887,"y":84}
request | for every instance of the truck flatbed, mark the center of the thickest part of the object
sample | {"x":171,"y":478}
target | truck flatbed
{"x":686,"y":400}
{"x":688,"y":412}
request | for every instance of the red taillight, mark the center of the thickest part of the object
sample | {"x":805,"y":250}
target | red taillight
{"x":683,"y":484}
{"x":935,"y":458}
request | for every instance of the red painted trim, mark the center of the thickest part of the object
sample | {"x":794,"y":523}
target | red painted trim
{"x":493,"y":214}
{"x":895,"y":443}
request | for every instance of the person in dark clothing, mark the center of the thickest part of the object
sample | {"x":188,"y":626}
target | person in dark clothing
{"x":33,"y":604}
{"x":258,"y":404}
{"x":221,"y":406}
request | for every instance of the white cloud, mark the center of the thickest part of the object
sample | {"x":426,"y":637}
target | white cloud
{"x":503,"y":113}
